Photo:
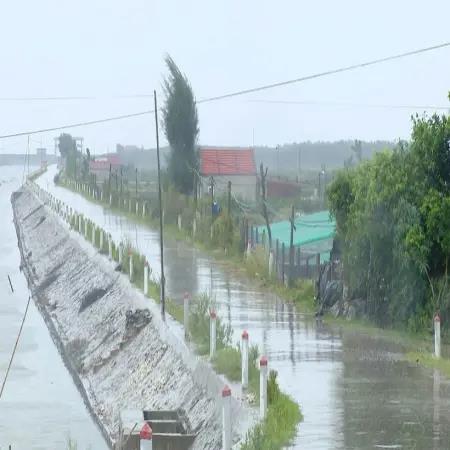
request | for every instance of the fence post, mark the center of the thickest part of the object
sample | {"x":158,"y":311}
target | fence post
{"x":143,"y":209}
{"x":298,"y":259}
{"x":130,"y":253}
{"x":179,"y":222}
{"x":212,"y":333}
{"x":120,"y":253}
{"x":437,"y":335}
{"x":282,"y":262}
{"x":186,"y":315}
{"x":270,"y":263}
{"x":244,"y":363}
{"x":262,"y":387}
{"x":252,"y":235}
{"x":307,"y":267}
{"x":194,"y":226}
{"x":257,"y":235}
{"x":318,"y":264}
{"x":93,"y":234}
{"x":277,"y":257}
{"x":101,"y":240}
{"x":145,"y":277}
{"x":145,"y":438}
{"x":137,"y":207}
{"x":226,"y":418}
{"x":109,"y":247}
{"x":79,"y":223}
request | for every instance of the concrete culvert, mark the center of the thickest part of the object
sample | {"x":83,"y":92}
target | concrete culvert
{"x":91,"y":297}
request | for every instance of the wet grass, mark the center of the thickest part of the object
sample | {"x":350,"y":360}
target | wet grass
{"x":428,"y":360}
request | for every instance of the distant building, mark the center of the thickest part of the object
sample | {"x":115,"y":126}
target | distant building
{"x":101,"y":166}
{"x":226,"y":164}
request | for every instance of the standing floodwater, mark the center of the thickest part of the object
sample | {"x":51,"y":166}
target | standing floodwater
{"x":356,"y":392}
{"x":40,"y":407}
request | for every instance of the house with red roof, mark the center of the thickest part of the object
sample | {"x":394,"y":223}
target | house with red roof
{"x":101,"y":165}
{"x":220,"y":165}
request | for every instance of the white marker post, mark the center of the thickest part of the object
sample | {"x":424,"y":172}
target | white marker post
{"x":143,"y":209}
{"x":86,"y":228}
{"x":270,"y":263}
{"x":262,"y":387}
{"x":120,"y":253}
{"x":130,"y":254}
{"x":145,"y":277}
{"x":249,"y":249}
{"x":129,"y":205}
{"x":137,"y":208}
{"x":179,"y":222}
{"x":145,"y":437}
{"x":101,"y":240}
{"x":194,"y":227}
{"x":109,"y":247}
{"x":110,"y":199}
{"x":212,"y":333}
{"x":244,"y":363}
{"x":437,"y":335}
{"x":226,"y":418}
{"x":186,"y":315}
{"x":93,"y":234}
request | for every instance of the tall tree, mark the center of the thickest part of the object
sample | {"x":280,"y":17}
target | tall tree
{"x":68,"y":149}
{"x":180,"y":121}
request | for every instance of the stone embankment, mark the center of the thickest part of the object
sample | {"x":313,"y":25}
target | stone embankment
{"x":119,"y":352}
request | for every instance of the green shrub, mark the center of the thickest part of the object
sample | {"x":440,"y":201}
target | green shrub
{"x":199,"y":322}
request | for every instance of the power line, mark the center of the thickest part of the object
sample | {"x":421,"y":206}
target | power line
{"x":327,"y":73}
{"x":237,"y":93}
{"x":351,"y":105}
{"x":78,"y":124}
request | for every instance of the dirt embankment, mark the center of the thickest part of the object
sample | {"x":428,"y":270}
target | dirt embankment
{"x":118,"y":351}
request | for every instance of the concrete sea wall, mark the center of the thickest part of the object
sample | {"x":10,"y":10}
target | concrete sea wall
{"x":119,"y":352}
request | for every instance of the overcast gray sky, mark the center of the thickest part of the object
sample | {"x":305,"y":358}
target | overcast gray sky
{"x":107,"y":48}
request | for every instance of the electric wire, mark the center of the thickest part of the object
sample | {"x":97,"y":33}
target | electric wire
{"x":236,"y":93}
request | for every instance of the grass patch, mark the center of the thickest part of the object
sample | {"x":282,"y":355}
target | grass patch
{"x":430,"y":361}
{"x":199,"y":322}
{"x":279,"y":427}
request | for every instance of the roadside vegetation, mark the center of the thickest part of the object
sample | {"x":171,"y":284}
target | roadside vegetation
{"x":393,"y":224}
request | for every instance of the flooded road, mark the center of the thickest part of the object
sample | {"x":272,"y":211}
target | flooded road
{"x":40,"y":407}
{"x":354,"y":390}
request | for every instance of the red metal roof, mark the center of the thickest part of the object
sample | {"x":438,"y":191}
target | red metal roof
{"x":102,"y":163}
{"x":227,"y":161}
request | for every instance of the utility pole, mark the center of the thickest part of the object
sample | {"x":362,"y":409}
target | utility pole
{"x":263,"y":174}
{"x":291,"y":247}
{"x":121,"y":182}
{"x":109,"y":180}
{"x":229,"y":198}
{"x":161,"y":234}
{"x":211,"y":187}
{"x":136,"y":183}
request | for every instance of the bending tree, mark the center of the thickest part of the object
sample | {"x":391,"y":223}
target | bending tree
{"x":181,"y":128}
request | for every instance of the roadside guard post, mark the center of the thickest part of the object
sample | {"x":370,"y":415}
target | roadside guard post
{"x":130,"y":254}
{"x":437,"y":335}
{"x":262,"y":387}
{"x":226,"y":418}
{"x":146,"y":277}
{"x":186,"y":314}
{"x":244,"y":363}
{"x":212,"y":333}
{"x":145,"y":437}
